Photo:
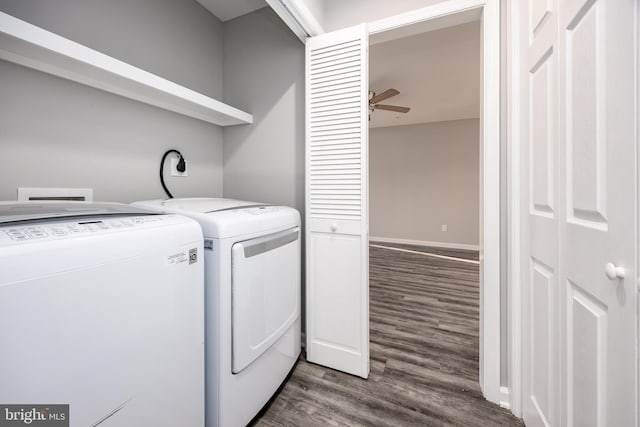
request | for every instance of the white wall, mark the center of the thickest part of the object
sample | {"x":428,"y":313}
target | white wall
{"x":55,"y":133}
{"x":341,"y":14}
{"x":423,"y":176}
{"x":264,"y":74}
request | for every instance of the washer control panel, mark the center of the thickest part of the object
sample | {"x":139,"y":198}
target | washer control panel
{"x":74,"y":228}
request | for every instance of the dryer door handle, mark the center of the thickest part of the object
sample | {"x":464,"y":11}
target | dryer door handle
{"x":269,"y":242}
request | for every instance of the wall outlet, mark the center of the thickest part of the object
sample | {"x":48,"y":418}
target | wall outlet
{"x":174,"y":168}
{"x":444,"y":227}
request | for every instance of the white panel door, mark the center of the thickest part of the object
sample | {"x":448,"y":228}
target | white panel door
{"x":598,"y":156}
{"x":578,"y":128}
{"x":541,"y":357}
{"x":337,"y":297}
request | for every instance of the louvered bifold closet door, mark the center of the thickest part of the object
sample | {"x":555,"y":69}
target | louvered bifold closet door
{"x":337,"y":297}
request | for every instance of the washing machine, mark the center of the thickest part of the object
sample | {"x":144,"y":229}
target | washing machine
{"x":101,"y":316}
{"x":252,"y":264}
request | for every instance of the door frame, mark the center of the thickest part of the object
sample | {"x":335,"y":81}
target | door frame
{"x":515,"y":238}
{"x":637,"y":65}
{"x":443,"y":15}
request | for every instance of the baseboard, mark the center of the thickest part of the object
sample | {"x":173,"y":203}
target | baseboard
{"x":424,"y":243}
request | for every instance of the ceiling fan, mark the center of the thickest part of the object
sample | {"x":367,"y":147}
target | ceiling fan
{"x":375,"y":99}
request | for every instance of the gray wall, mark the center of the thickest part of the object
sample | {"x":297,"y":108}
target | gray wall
{"x":423,"y":176}
{"x":55,"y":133}
{"x":264,"y":74}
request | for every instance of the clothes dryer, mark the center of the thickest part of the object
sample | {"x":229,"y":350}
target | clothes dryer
{"x":253,"y":285}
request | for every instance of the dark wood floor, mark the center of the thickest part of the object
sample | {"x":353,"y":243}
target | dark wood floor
{"x":424,"y":354}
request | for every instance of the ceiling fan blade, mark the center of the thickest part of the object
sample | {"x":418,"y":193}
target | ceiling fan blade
{"x":384,"y":95}
{"x":392,"y":108}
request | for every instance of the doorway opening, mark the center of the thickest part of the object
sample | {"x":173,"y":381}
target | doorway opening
{"x":424,"y":210}
{"x":424,"y":164}
{"x":493,"y":348}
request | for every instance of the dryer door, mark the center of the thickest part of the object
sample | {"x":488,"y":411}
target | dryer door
{"x":265,"y":293}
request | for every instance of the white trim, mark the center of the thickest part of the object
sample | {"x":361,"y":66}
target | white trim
{"x":472,"y":15}
{"x":438,"y":10}
{"x":637,"y":130}
{"x":490,"y":310}
{"x":305,"y":17}
{"x":513,"y":192}
{"x":364,"y":170}
{"x":298,"y":18}
{"x":490,"y":244}
{"x":289,"y":19}
{"x":42,"y":50}
{"x":446,"y":245}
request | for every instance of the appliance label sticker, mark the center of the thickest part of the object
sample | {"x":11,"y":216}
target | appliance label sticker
{"x":178,"y":258}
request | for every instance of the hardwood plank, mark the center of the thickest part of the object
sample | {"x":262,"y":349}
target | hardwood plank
{"x":424,"y":326}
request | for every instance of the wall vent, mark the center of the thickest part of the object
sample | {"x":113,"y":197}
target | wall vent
{"x":55,"y":194}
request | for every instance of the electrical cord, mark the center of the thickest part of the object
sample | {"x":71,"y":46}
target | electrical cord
{"x":181,"y":167}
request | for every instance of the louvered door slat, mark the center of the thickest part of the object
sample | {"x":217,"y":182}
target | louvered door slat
{"x":330,"y":110}
{"x":348,"y":71}
{"x":335,"y":160}
{"x":320,"y":156}
{"x":335,"y":100}
{"x":338,"y":89}
{"x":336,"y":113}
{"x":335,"y":140}
{"x":351,"y":148}
{"x":332,"y":121}
{"x":339,"y":64}
{"x":323,"y":53}
{"x":320,"y":51}
{"x":337,"y":56}
{"x":321,"y":135}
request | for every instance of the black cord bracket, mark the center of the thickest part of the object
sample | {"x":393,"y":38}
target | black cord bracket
{"x":181,"y":167}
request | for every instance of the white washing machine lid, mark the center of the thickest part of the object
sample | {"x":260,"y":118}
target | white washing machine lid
{"x":29,"y":211}
{"x":222,"y":218}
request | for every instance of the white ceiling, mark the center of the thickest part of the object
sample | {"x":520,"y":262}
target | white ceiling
{"x":437,"y":74}
{"x":229,"y":9}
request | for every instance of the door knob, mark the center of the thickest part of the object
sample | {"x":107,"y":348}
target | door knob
{"x":334,"y":226}
{"x":613,"y":272}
